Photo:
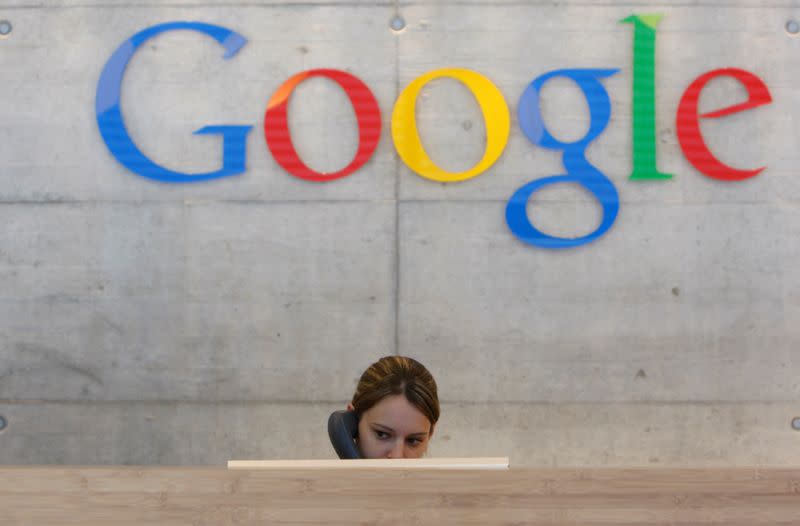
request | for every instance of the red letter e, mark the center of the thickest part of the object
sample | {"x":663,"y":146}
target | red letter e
{"x":688,"y":122}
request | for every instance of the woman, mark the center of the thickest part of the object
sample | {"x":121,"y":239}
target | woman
{"x":397,"y":406}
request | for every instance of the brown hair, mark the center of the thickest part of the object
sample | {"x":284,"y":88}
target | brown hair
{"x":393,"y":375}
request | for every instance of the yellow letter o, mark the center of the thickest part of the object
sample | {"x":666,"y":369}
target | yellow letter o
{"x":406,"y":136}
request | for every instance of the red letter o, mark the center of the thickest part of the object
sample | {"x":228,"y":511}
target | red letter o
{"x":279,"y":140}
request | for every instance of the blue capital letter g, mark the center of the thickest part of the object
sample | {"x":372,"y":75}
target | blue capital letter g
{"x":112,"y":126}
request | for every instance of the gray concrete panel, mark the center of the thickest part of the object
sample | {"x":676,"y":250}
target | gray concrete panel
{"x":178,"y":83}
{"x":215,"y":301}
{"x":163,"y":433}
{"x":675,"y":303}
{"x":168,"y":433}
{"x":639,"y":434}
{"x":690,"y":41}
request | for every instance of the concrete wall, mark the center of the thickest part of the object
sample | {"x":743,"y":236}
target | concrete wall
{"x":149,"y":323}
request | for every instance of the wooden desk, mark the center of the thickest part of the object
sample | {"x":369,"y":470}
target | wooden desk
{"x":216,"y":496}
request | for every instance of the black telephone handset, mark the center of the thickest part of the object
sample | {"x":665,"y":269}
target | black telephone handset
{"x":343,"y":430}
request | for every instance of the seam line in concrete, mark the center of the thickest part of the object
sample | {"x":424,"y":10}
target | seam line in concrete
{"x":443,"y":402}
{"x":397,"y":176}
{"x":462,"y":3}
{"x":175,"y":5}
{"x":203,"y":202}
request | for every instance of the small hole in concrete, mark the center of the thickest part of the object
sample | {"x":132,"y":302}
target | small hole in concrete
{"x":397,"y":23}
{"x":793,"y":27}
{"x":796,"y":423}
{"x":5,"y":27}
{"x":3,"y":422}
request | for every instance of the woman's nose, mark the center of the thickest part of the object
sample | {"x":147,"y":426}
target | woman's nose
{"x":397,"y":450}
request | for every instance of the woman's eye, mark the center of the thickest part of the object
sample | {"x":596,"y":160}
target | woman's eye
{"x":381,"y":434}
{"x":414,"y":442}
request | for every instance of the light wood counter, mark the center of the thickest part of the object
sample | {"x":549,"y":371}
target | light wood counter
{"x":91,"y":496}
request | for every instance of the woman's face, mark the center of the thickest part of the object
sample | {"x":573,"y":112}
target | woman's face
{"x":393,"y":428}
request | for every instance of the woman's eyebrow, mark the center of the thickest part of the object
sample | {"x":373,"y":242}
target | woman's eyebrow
{"x":390,"y":430}
{"x":387,"y":428}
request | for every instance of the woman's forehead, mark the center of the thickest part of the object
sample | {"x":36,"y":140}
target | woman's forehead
{"x":397,"y":414}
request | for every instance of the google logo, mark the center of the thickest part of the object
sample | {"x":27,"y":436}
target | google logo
{"x":496,"y":116}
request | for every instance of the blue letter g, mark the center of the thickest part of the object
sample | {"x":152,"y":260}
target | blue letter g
{"x":112,"y":126}
{"x":579,"y":170}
